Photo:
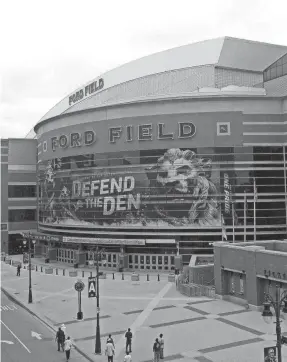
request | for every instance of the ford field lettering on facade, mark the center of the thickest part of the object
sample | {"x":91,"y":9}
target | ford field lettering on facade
{"x":143,"y":132}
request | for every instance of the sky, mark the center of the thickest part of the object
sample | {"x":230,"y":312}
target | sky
{"x":50,"y":48}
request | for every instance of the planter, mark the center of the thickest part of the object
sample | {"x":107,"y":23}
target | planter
{"x":73,"y":273}
{"x":48,"y":270}
{"x":103,"y":276}
{"x":171,"y":278}
{"x":135,"y":277}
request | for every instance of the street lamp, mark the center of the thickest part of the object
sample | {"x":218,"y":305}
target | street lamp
{"x":279,"y":302}
{"x":30,"y":299}
{"x":98,"y":335}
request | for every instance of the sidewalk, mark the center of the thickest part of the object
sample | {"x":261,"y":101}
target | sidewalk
{"x":195,"y":329}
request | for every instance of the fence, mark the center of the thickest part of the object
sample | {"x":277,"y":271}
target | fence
{"x":195,"y":290}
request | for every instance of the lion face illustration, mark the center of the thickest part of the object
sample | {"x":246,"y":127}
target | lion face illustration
{"x":181,"y":187}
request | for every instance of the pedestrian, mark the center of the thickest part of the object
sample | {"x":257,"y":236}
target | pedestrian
{"x":60,"y":338}
{"x":128,"y":357}
{"x":68,"y":346}
{"x":161,"y":345}
{"x":110,"y":339}
{"x":129,"y":337}
{"x":110,"y":351}
{"x":18,"y":270}
{"x":156,"y":350}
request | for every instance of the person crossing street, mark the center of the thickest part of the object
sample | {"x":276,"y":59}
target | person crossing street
{"x":60,"y":339}
{"x":18,"y":270}
{"x":129,"y":337}
{"x":67,"y":346}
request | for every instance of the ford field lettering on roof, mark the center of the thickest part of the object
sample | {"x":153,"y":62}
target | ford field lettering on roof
{"x":86,"y":91}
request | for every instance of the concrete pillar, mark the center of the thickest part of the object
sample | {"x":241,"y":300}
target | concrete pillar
{"x":219,"y":279}
{"x":252,"y":284}
{"x":52,"y":254}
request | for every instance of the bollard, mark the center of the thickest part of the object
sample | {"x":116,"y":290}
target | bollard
{"x":63,"y":272}
{"x":113,"y":276}
{"x":36,"y":267}
{"x":91,"y":274}
{"x":147,"y":277}
{"x":83,"y":273}
{"x":158,"y":277}
{"x":123,"y":276}
{"x":10,"y":261}
{"x":56,"y":271}
{"x":41,"y":269}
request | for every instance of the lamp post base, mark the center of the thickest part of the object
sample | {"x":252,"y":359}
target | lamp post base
{"x":80,"y":315}
{"x":30,"y":299}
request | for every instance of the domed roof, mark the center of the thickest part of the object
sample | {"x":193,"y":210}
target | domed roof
{"x":225,"y":52}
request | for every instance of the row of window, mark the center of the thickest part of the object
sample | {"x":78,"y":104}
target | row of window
{"x":22,"y":215}
{"x":218,"y":154}
{"x":19,"y":191}
{"x":276,"y":70}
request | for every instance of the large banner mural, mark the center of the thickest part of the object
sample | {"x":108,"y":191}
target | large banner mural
{"x":154,"y":188}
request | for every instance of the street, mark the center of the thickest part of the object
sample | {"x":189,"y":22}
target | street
{"x":25,"y":339}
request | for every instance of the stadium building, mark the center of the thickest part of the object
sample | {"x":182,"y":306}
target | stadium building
{"x":166,"y":155}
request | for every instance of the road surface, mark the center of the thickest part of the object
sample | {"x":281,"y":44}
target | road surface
{"x":26,"y":339}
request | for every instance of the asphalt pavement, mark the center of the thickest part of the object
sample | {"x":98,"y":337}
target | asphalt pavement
{"x":26,"y":339}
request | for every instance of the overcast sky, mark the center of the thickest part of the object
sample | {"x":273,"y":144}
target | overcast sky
{"x":50,"y":48}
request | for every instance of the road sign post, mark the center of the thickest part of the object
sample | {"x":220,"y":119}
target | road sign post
{"x":79,"y":287}
{"x":92,"y":287}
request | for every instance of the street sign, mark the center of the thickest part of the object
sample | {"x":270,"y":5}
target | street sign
{"x":79,"y":286}
{"x":25,"y":258}
{"x":92,"y":287}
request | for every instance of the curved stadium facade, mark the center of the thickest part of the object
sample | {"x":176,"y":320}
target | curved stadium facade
{"x":166,"y":155}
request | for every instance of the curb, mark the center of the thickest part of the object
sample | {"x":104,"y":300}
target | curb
{"x":22,"y":305}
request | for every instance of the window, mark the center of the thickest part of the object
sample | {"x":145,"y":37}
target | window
{"x":21,"y":191}
{"x":22,"y":215}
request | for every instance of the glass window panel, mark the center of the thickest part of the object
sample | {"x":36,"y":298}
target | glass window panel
{"x":136,"y":259}
{"x":273,"y":73}
{"x":141,"y":259}
{"x":109,"y":258}
{"x":166,"y":260}
{"x":114,"y":258}
{"x":130,"y":259}
{"x":279,"y":71}
{"x":153,"y":259}
{"x":172,"y":260}
{"x":160,"y":259}
{"x":147,"y":259}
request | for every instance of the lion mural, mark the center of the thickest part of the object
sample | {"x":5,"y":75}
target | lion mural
{"x":181,"y":183}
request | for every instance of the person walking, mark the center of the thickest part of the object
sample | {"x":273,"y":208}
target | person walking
{"x":67,"y":346}
{"x":60,"y":339}
{"x":161,"y":345}
{"x":110,"y":351}
{"x":128,"y":357}
{"x":156,"y":350}
{"x":129,"y":337}
{"x":110,"y":339}
{"x":18,"y":270}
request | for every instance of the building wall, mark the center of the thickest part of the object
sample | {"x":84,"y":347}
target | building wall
{"x":260,"y":269}
{"x":4,"y":196}
{"x":21,"y":188}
